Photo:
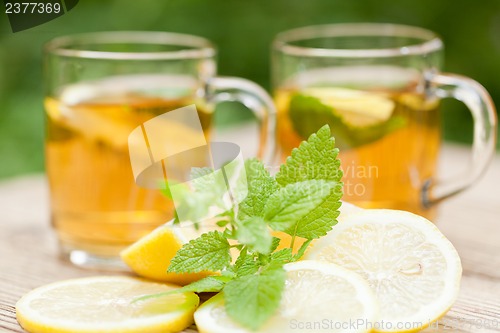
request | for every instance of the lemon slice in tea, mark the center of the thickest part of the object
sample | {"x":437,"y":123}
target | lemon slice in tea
{"x":355,"y":117}
{"x":357,"y":108}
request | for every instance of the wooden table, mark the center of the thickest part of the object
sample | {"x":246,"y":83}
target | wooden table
{"x":28,"y":252}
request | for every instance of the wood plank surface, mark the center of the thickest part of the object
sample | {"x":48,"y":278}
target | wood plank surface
{"x":28,"y":249}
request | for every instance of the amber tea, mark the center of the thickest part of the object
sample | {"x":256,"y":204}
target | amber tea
{"x":96,"y":205}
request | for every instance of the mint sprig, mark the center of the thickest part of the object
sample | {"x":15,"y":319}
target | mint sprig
{"x":302,"y":200}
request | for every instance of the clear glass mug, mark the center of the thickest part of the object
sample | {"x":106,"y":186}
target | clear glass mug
{"x":379,"y":87}
{"x":99,"y":87}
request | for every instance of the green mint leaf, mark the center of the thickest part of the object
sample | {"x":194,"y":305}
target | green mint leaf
{"x":319,"y":221}
{"x":209,"y":252}
{"x":315,"y":158}
{"x":210,"y":284}
{"x":248,"y":266}
{"x":166,"y":191}
{"x":291,"y":203}
{"x":246,"y":263}
{"x":260,"y":186}
{"x":276,"y":242}
{"x":254,"y":233}
{"x":208,"y":189}
{"x":244,"y":255}
{"x":199,"y":181}
{"x":229,"y":274}
{"x":302,"y":250}
{"x":251,"y":299}
{"x":222,"y":223}
{"x":282,"y":256}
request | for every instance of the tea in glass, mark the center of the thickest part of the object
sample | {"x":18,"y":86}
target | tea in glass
{"x":100,"y":88}
{"x":378,"y":86}
{"x":388,"y":140}
{"x":96,"y":204}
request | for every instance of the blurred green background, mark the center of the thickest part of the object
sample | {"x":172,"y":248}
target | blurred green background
{"x":243,"y":30}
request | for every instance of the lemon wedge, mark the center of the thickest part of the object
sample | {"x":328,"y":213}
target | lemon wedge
{"x":413,"y":269}
{"x":105,"y":305}
{"x":150,"y":256}
{"x":317,"y":297}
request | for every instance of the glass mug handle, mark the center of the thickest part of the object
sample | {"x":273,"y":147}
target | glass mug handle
{"x":480,"y":104}
{"x":254,"y":97}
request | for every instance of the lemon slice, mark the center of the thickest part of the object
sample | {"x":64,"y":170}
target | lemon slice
{"x":357,"y":108}
{"x":105,"y":304}
{"x":348,"y":209}
{"x":315,"y":294}
{"x":355,"y":117}
{"x":410,"y":265}
{"x":112,"y":122}
{"x":150,"y":256}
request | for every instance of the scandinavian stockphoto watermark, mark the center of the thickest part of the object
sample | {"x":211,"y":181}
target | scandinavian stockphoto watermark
{"x":166,"y":149}
{"x":358,"y":179}
{"x":351,"y":324}
{"x":447,"y":323}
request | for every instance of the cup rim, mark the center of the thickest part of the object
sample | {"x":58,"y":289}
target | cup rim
{"x":283,"y":42}
{"x":195,"y":46}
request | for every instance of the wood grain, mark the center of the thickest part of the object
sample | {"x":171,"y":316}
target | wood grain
{"x":28,"y":249}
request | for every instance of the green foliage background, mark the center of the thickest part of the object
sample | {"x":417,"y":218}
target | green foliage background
{"x":243,"y":30}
